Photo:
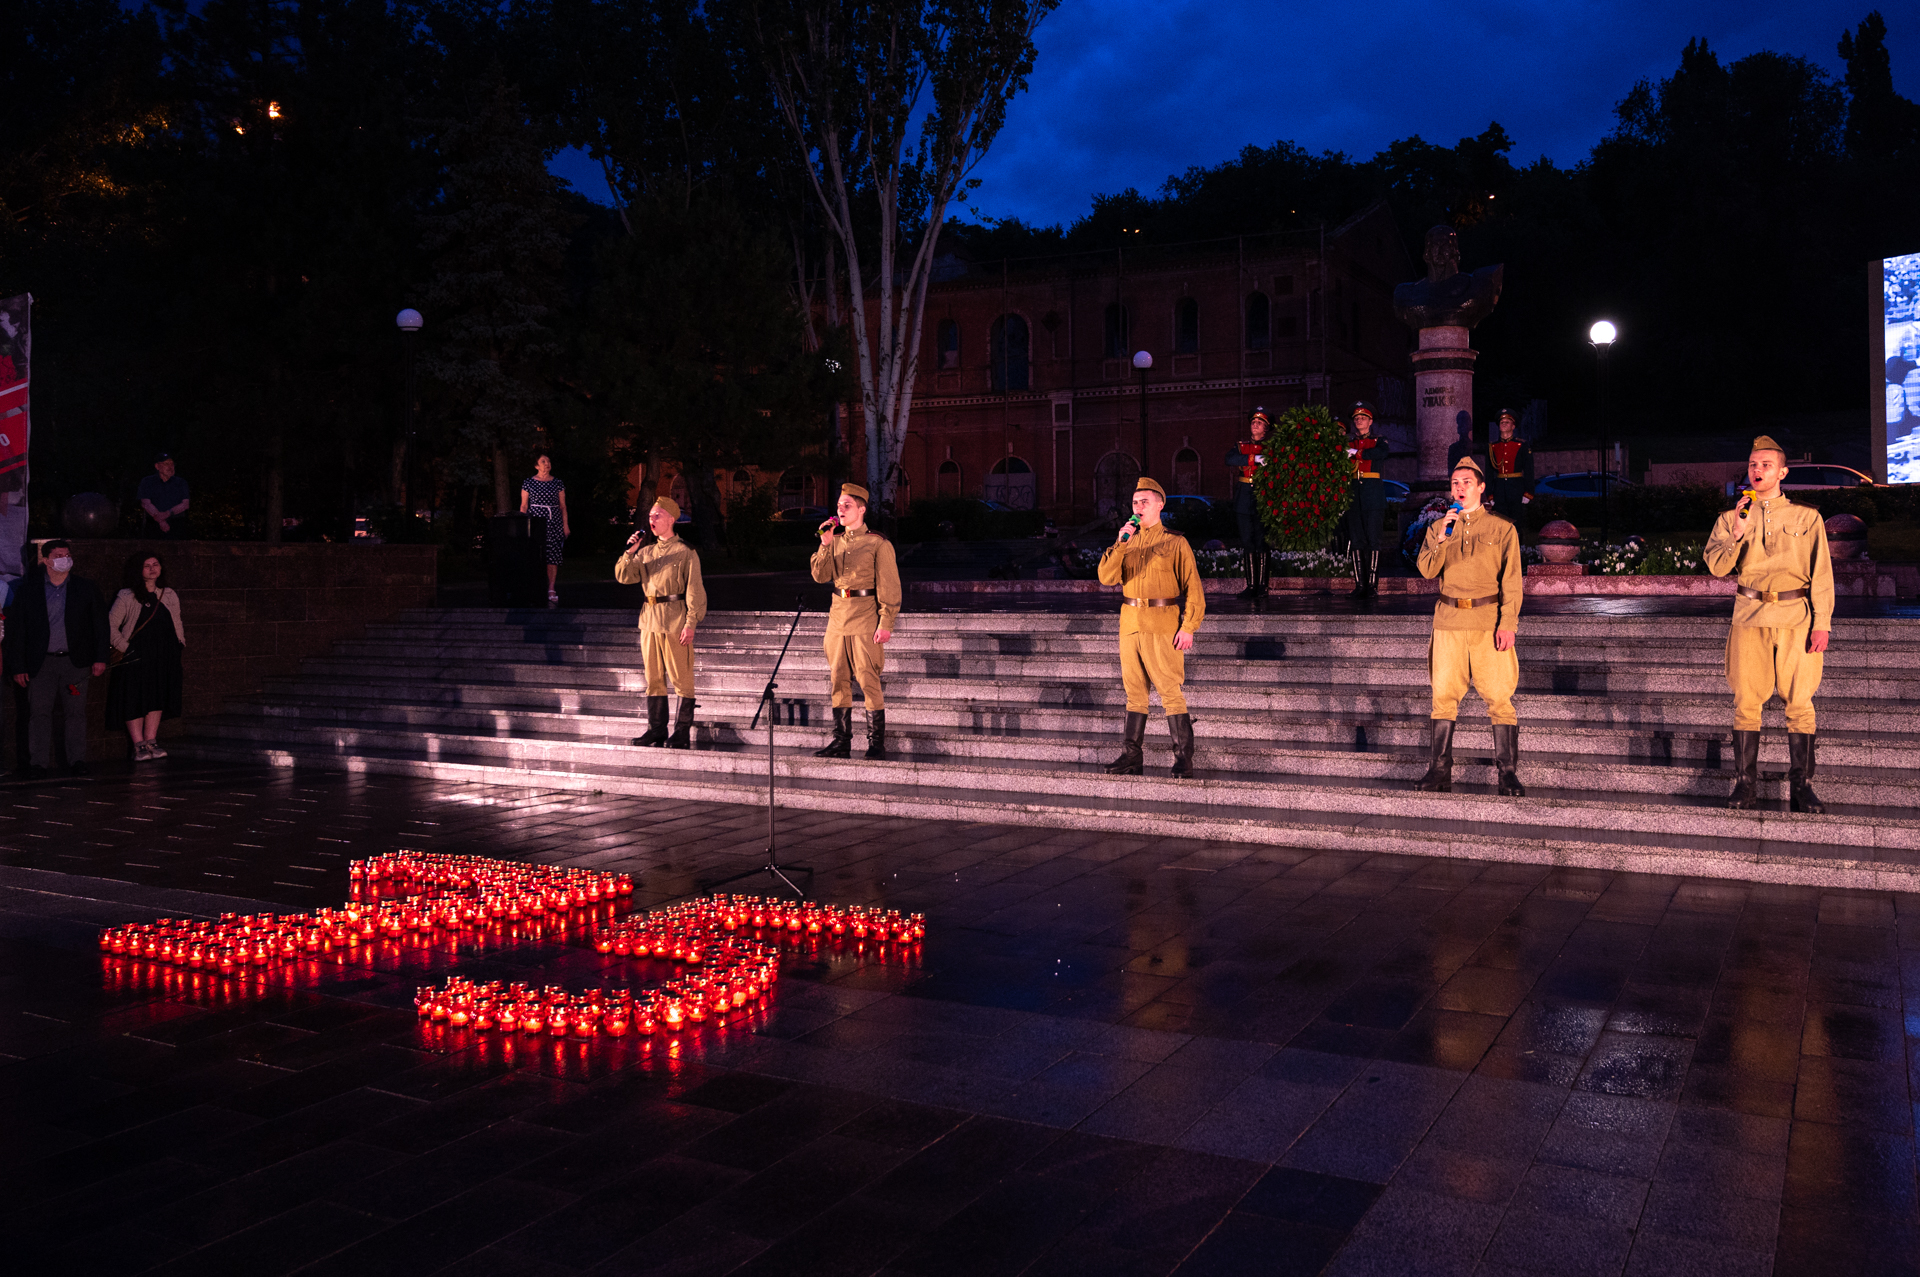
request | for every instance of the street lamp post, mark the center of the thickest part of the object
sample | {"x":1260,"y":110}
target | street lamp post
{"x":409,"y":323}
{"x":1143,"y":360}
{"x":1601,"y":336}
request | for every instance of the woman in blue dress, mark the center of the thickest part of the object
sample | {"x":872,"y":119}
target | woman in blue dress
{"x":546,"y":496}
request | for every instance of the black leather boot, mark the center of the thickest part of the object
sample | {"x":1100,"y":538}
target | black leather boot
{"x":1262,"y":571}
{"x":841,"y":746}
{"x":1506,"y":759}
{"x":1252,"y":575}
{"x":1439,"y":777}
{"x":876,"y":733}
{"x":656,"y":722}
{"x":1800,"y":795}
{"x":1181,"y":725}
{"x":1746,"y":768}
{"x":1356,"y":558}
{"x":1373,"y":573}
{"x":1132,"y":743}
{"x":682,"y":737}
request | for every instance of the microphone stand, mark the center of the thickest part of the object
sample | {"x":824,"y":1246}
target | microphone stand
{"x":771,"y":706}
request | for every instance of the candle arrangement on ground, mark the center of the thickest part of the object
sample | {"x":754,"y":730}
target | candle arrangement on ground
{"x":425,"y":896}
{"x":729,"y":947}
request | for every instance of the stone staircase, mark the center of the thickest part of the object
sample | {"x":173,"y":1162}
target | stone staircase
{"x":1311,"y":729}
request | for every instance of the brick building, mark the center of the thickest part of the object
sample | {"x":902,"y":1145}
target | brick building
{"x":1027,"y":392}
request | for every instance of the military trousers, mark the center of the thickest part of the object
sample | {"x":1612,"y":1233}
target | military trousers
{"x":1366,"y":514}
{"x":1504,"y":496}
{"x":1457,"y":659}
{"x":667,"y":660}
{"x":856,"y":658}
{"x":1764,"y":659}
{"x":1253,"y":533}
{"x":1152,"y":661}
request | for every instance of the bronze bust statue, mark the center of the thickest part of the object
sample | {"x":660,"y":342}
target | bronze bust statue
{"x":1446,"y":296}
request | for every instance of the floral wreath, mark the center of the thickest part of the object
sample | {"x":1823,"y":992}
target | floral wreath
{"x":1306,"y":482}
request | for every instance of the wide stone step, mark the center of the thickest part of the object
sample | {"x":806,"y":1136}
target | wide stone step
{"x":1238,"y":741}
{"x":1556,"y":769}
{"x":1013,"y":701}
{"x":964,"y":678}
{"x":1673,"y":838}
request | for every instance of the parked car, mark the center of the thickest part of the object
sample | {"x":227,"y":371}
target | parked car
{"x":1577,"y":483}
{"x":1805,"y":477}
{"x":812,"y":514}
{"x":1189,"y":514}
{"x":1397,"y":492}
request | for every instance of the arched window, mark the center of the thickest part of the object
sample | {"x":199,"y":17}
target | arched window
{"x":1186,"y":471}
{"x":1114,"y":477}
{"x":946,"y":480}
{"x":1011,"y":481}
{"x":794,"y":485}
{"x":1008,"y":346}
{"x":1118,"y":333}
{"x":1186,"y":326}
{"x":1259,"y":321}
{"x":949,"y":344}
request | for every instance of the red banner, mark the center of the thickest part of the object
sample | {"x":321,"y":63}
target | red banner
{"x":16,"y":350}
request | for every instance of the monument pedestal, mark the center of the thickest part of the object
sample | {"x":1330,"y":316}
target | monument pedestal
{"x":1442,"y":393}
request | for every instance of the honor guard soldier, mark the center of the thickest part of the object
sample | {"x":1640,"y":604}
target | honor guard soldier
{"x":1476,"y":555}
{"x":1243,"y":459}
{"x":1161,"y":606}
{"x":858,"y":562}
{"x":667,"y":569}
{"x":1782,"y":619}
{"x":1369,"y":506}
{"x":1512,"y":458}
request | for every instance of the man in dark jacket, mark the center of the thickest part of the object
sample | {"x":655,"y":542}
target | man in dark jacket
{"x":56,"y":641}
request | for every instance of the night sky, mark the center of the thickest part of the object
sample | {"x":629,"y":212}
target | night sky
{"x":1126,"y":92}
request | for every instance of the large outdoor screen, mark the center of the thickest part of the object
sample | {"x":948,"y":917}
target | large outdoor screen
{"x":1900,"y":348}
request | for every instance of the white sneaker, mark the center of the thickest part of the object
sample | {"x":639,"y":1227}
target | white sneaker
{"x":553,"y":596}
{"x":154,"y":750}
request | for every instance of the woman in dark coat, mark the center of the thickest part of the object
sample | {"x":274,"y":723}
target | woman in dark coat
{"x":147,"y":637}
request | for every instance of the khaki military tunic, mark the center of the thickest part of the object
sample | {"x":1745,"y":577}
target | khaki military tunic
{"x":1480,"y":560}
{"x":858,"y":561}
{"x":664,"y":569}
{"x":1155,"y":564}
{"x":1778,"y":546}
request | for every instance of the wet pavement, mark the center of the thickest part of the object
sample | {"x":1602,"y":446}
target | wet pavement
{"x":1110,"y":1056}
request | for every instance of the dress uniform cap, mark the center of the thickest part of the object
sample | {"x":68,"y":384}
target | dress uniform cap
{"x":1508,"y":414}
{"x":671,"y":506}
{"x":1259,"y":414}
{"x":1765,"y":443}
{"x":1468,"y":463}
{"x":1148,"y":485}
{"x":853,"y":490}
{"x":1360,"y":407}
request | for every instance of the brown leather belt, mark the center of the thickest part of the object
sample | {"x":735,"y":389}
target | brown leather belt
{"x":1149,"y":602}
{"x":1459,"y":602}
{"x":666,"y":598}
{"x":1245,"y":480}
{"x":1769,"y":596}
{"x":853,"y":594}
{"x":1368,"y":474}
{"x":1504,"y":475}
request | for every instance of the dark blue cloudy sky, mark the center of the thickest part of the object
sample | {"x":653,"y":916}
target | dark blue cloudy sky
{"x":1126,"y":92}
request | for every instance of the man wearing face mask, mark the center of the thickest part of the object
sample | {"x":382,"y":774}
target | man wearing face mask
{"x":56,"y":641}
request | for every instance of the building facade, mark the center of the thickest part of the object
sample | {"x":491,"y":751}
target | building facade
{"x":1027,"y":390}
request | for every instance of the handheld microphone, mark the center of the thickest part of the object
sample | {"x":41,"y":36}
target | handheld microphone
{"x":834,"y":525}
{"x":1746,"y":504}
{"x":1132,"y":526}
{"x":1453,"y":509}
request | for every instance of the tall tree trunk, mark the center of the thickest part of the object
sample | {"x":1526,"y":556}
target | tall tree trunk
{"x":649,"y":483}
{"x":276,"y":500}
{"x":501,"y":504}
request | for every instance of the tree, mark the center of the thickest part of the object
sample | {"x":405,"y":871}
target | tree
{"x":498,"y":237}
{"x":694,"y":339}
{"x":852,"y":81}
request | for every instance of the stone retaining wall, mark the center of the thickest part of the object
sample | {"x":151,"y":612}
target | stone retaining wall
{"x":253,"y":610}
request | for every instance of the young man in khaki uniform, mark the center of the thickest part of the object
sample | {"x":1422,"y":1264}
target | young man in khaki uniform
{"x":1476,"y":555}
{"x":1161,"y":607}
{"x":858,"y":562}
{"x":1782,"y":619}
{"x":668,"y":570}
